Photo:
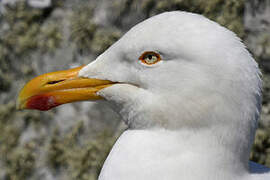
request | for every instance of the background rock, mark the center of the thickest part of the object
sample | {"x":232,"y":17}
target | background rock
{"x":72,"y":141}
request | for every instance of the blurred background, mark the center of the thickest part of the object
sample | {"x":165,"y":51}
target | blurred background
{"x":72,"y":141}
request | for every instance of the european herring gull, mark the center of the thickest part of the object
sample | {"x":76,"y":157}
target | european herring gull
{"x":188,"y":90}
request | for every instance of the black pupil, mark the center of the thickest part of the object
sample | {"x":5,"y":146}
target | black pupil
{"x":150,"y":56}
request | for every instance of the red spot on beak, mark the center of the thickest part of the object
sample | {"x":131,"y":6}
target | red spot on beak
{"x":41,"y":102}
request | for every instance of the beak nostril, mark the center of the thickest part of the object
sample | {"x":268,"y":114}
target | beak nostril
{"x":55,"y":82}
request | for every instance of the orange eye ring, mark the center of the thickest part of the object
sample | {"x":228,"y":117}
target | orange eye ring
{"x":150,"y":57}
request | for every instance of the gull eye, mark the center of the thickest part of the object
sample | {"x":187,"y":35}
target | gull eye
{"x":150,"y":58}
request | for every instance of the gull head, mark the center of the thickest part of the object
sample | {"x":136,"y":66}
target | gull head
{"x":180,"y":69}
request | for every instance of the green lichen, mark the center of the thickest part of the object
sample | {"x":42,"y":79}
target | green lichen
{"x":82,"y":159}
{"x":261,"y":148}
{"x":123,"y":7}
{"x":83,"y":28}
{"x":17,"y":159}
{"x":5,"y":82}
{"x":228,"y":13}
{"x":264,"y":44}
{"x":9,"y":140}
{"x":9,"y":134}
{"x":266,"y":89}
{"x":27,"y":71}
{"x":86,"y":162}
{"x":89,"y":36}
{"x":50,"y":37}
{"x":21,"y":162}
{"x":56,"y":151}
{"x":104,"y":38}
{"x":22,"y":28}
{"x":4,"y":52}
{"x":5,"y":112}
{"x":25,"y":32}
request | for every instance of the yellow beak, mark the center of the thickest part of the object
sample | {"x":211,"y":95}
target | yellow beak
{"x":53,"y":89}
